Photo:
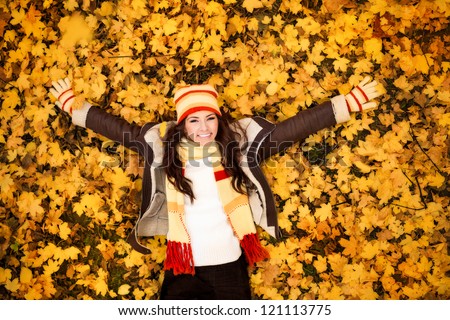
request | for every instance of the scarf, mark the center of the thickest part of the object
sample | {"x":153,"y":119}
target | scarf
{"x":179,"y":256}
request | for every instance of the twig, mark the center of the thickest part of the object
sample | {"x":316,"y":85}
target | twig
{"x":422,"y":198}
{"x":6,"y":83}
{"x":340,"y":203}
{"x":420,"y":193}
{"x":415,"y":140}
{"x":407,"y":177}
{"x":399,"y":205}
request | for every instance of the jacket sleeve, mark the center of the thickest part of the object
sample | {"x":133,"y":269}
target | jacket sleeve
{"x":305,"y":123}
{"x":109,"y":126}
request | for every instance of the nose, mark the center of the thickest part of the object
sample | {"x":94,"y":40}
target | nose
{"x":203,"y":125}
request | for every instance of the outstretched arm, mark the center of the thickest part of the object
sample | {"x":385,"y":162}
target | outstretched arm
{"x":305,"y":123}
{"x":88,"y":116}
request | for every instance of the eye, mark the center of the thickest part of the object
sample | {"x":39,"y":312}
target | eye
{"x":193,"y":120}
{"x":211,"y":118}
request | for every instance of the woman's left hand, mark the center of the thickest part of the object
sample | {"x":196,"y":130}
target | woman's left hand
{"x":360,"y":97}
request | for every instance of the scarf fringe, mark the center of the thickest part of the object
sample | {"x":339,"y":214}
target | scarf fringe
{"x":179,"y":258}
{"x":254,"y":252}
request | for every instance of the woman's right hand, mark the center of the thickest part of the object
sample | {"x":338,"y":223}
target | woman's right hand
{"x":62,"y":91}
{"x":361,"y":97}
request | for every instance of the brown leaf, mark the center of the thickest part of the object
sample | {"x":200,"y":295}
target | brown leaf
{"x":334,"y":6}
{"x":4,"y":18}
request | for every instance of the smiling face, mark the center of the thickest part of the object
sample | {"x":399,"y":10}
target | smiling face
{"x":202,"y":126}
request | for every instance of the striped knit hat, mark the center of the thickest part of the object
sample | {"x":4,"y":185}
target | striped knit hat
{"x":195,"y":98}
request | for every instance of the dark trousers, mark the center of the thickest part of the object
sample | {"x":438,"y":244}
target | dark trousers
{"x":228,"y":281}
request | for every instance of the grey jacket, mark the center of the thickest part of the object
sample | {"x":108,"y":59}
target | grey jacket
{"x":263,"y":140}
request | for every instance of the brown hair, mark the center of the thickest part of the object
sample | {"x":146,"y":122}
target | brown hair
{"x":227,"y":138}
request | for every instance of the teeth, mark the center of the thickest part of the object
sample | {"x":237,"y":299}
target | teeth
{"x":204,"y":135}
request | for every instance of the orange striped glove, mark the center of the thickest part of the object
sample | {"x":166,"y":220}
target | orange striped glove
{"x":359,"y":98}
{"x":62,"y":91}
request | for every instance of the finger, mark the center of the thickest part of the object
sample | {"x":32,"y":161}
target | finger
{"x":67,"y":82}
{"x":369,"y":105}
{"x":54,"y":93}
{"x":57,"y":86}
{"x":63,"y":84}
{"x":58,"y":104}
{"x":369,"y":91}
{"x":373,"y":84}
{"x":374,"y":95}
{"x":364,"y":81}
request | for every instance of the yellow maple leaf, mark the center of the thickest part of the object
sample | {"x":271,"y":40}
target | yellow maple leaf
{"x":30,"y":206}
{"x":235,"y":25}
{"x":32,"y":24}
{"x":88,"y":202}
{"x":5,"y":274}
{"x":34,"y":293}
{"x":12,"y":285}
{"x":71,"y":4}
{"x":138,"y":294}
{"x":118,"y":177}
{"x":370,"y":250}
{"x":426,"y":223}
{"x":251,"y":5}
{"x":170,"y":27}
{"x":26,"y":275}
{"x":106,"y":9}
{"x":244,"y":105}
{"x":133,"y":259}
{"x":444,"y":96}
{"x":337,"y":263}
{"x":75,"y":31}
{"x":335,"y":293}
{"x":58,"y":157}
{"x":51,"y":267}
{"x":17,"y":16}
{"x":107,"y":249}
{"x":364,"y":168}
{"x":416,"y":291}
{"x":6,"y":183}
{"x":322,"y":230}
{"x":312,"y":192}
{"x":64,"y":230}
{"x":70,"y":253}
{"x":10,"y":99}
{"x":436,"y":180}
{"x":321,"y":264}
{"x":341,"y":64}
{"x":156,"y":245}
{"x":373,"y":47}
{"x":100,"y":285}
{"x":422,"y":63}
{"x":379,"y":6}
{"x":403,"y":83}
{"x":271,"y":293}
{"x":445,"y":119}
{"x":124,"y":289}
{"x":324,"y":212}
{"x":310,"y":26}
{"x":351,"y":246}
{"x":272,"y":88}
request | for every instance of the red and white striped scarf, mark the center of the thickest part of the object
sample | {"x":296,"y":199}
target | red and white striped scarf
{"x":179,"y":256}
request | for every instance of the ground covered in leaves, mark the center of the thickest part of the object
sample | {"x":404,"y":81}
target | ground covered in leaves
{"x":363,"y":205}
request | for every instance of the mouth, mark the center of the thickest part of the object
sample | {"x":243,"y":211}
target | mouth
{"x":204,"y":136}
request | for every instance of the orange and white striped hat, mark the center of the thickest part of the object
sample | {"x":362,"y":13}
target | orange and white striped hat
{"x":195,"y":98}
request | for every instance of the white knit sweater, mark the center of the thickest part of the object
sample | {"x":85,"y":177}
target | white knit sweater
{"x":212,"y":238}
